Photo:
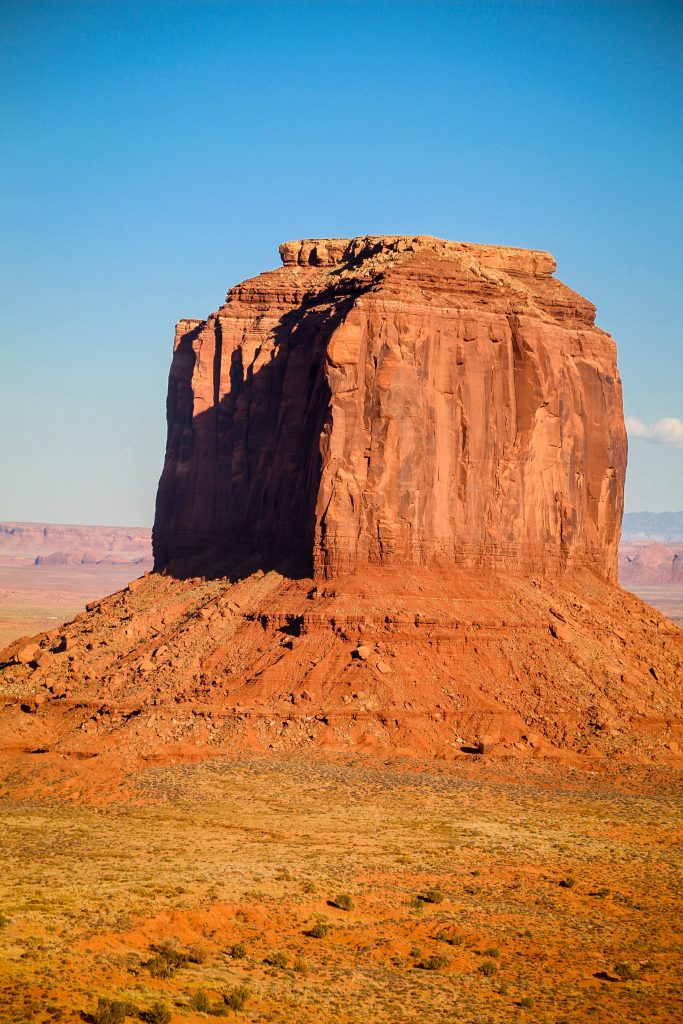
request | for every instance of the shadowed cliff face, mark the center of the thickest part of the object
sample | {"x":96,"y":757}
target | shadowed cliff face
{"x":395,"y":401}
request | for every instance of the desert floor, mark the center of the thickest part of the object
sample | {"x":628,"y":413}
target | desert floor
{"x":668,"y":600}
{"x":37,"y":597}
{"x":488,"y":891}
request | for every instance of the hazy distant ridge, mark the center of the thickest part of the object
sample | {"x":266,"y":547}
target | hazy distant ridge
{"x":652,"y":526}
{"x":67,"y":544}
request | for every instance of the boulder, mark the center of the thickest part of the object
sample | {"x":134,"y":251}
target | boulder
{"x":28,"y":654}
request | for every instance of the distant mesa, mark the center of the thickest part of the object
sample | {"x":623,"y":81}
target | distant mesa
{"x":651,"y":564}
{"x":70,"y":545}
{"x":651,"y":550}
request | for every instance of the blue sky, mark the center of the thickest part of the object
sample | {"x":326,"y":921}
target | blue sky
{"x":154,"y":154}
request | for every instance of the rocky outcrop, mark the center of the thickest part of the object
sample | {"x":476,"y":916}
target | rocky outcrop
{"x":396,"y":401}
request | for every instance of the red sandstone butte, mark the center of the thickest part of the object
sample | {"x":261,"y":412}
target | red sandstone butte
{"x":387,"y":522}
{"x":396,"y":401}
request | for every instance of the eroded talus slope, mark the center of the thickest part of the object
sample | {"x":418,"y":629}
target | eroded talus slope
{"x":396,"y":401}
{"x":411,"y":661}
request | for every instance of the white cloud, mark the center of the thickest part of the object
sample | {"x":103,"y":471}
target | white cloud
{"x":665,"y":431}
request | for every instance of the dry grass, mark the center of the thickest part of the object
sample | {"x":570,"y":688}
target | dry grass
{"x":222,"y":871}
